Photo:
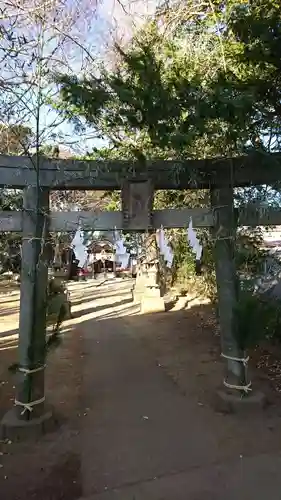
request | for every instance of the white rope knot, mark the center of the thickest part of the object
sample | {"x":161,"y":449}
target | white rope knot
{"x":32,"y":238}
{"x":233,"y":358}
{"x":28,"y":371}
{"x":246,"y":388}
{"x":223,"y":238}
{"x":29,"y":406}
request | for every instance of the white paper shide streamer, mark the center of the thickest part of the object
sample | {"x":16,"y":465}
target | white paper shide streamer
{"x":121,"y":253}
{"x":79,"y":248}
{"x":164,"y":247}
{"x":193,"y":241}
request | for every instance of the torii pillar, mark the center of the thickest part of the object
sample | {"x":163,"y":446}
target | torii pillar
{"x":236,"y":392}
{"x":30,"y":413}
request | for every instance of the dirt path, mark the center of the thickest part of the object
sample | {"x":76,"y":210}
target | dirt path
{"x":50,"y":469}
{"x":134,"y":394}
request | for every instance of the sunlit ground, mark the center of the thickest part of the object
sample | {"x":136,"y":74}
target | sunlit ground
{"x":91,"y":299}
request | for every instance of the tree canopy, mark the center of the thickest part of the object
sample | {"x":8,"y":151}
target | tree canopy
{"x":208,"y":87}
{"x":201,"y":80}
{"x":15,"y":139}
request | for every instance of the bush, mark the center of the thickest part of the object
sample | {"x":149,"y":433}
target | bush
{"x":259,"y":319}
{"x":58,"y":307}
{"x":259,"y":316}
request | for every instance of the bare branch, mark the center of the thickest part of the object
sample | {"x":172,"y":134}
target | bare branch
{"x":40,"y":36}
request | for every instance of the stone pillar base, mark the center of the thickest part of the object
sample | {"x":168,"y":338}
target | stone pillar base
{"x":152,"y":305}
{"x":225,"y":402}
{"x":152,"y":301}
{"x":139,"y":288}
{"x":15,"y":429}
{"x":137,"y":296}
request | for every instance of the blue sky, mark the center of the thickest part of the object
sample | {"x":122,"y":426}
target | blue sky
{"x":66,"y":134}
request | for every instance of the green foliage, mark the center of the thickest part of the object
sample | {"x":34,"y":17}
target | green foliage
{"x":15,"y":139}
{"x":183,"y":264}
{"x":57,"y":312}
{"x":250,"y":83}
{"x":10,"y":199}
{"x":57,"y":304}
{"x":156,"y":99}
{"x":203,"y":82}
{"x":259,"y":319}
{"x":250,"y":255}
{"x":190,"y":93}
{"x":197,"y":93}
{"x":113,"y":200}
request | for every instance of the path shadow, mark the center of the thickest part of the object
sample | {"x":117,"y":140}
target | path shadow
{"x":184,"y":348}
{"x":98,"y":296}
{"x":8,"y":311}
{"x":84,"y":312}
{"x":9,"y":333}
{"x":133,"y":309}
{"x":170,"y":304}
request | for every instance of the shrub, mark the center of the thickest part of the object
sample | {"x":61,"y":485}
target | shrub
{"x":259,"y":319}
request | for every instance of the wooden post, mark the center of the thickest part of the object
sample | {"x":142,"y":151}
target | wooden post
{"x":114,"y":263}
{"x":32,"y":324}
{"x":224,"y":231}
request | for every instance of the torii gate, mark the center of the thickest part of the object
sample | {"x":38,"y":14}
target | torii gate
{"x":137,"y":183}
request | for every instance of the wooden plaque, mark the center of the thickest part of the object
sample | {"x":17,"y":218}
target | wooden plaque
{"x":137,"y":204}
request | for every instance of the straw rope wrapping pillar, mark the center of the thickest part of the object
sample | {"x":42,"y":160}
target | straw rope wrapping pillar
{"x":224,"y":232}
{"x":30,"y":391}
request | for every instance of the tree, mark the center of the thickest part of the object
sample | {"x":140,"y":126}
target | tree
{"x":172,"y":95}
{"x":122,"y":107}
{"x":253,"y":39}
{"x":218,"y":78}
{"x":36,"y":36}
{"x":15,"y":139}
